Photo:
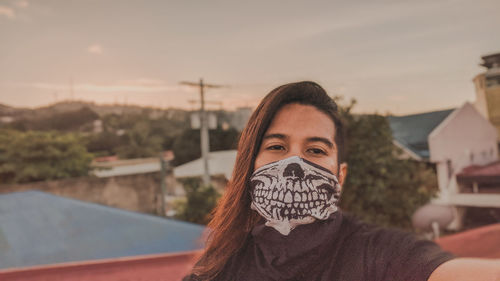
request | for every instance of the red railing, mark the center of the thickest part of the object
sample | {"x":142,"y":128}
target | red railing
{"x":166,"y":267}
{"x":482,"y":242}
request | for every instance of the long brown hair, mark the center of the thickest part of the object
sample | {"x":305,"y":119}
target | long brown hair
{"x":232,"y":218}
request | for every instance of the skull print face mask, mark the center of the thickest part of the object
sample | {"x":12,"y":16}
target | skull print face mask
{"x":293,"y":191}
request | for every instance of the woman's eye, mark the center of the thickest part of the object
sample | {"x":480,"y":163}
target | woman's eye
{"x":317,"y":151}
{"x":275,"y":147}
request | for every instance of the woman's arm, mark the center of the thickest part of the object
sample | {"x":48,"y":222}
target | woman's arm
{"x":467,"y":269}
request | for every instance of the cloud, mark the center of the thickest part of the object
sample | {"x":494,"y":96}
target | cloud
{"x":95,"y":49}
{"x":141,"y":85}
{"x":22,"y":4}
{"x":143,"y":82}
{"x":7,"y":12}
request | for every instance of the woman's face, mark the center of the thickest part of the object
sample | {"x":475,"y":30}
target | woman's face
{"x":304,"y":131}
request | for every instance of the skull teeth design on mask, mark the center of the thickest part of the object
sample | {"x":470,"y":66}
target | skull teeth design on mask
{"x":293,"y":191}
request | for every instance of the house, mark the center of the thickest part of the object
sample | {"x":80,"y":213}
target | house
{"x":453,"y":140}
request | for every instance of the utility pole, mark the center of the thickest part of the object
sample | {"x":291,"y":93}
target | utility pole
{"x":164,"y":168}
{"x":205,"y":146}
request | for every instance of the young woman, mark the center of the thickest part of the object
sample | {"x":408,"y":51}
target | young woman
{"x":278,"y":218}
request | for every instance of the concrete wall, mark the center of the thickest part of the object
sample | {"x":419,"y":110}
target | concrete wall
{"x":140,"y":193}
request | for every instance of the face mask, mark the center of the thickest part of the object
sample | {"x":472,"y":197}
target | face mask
{"x":292,"y":192}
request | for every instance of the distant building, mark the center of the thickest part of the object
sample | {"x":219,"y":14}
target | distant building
{"x":6,"y":119}
{"x":97,"y":126}
{"x":453,"y":140}
{"x":124,"y":167}
{"x":487,"y":86}
{"x":464,"y":139}
{"x":111,"y":166}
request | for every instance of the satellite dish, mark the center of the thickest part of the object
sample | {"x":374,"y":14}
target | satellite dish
{"x":432,"y":217}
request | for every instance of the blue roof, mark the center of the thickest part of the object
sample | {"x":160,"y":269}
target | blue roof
{"x":413,"y":130}
{"x":39,"y":228}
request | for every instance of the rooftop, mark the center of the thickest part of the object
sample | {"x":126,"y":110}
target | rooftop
{"x":489,"y":173}
{"x":38,"y":228}
{"x":491,"y":60}
{"x":412,"y":131}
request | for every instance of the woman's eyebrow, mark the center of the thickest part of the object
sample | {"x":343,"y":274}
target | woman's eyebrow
{"x":321,"y":139}
{"x":272,"y":136}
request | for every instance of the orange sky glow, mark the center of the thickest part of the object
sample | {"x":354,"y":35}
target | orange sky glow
{"x":391,"y":56}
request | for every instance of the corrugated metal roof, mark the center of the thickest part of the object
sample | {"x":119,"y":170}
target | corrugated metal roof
{"x":219,"y":162}
{"x":38,"y":228}
{"x":413,"y":130}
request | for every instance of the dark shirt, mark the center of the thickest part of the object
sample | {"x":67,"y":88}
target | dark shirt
{"x":343,"y":249}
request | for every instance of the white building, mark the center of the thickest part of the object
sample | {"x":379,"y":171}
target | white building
{"x":454,"y":140}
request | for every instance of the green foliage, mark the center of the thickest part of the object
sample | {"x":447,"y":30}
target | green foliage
{"x":381,"y":187}
{"x":36,"y":156}
{"x":200,"y":201}
{"x":143,"y":136}
{"x":140,"y":142}
{"x":104,"y":143}
{"x":63,"y":121}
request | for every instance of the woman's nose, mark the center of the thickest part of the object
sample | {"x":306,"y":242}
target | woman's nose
{"x":295,"y":151}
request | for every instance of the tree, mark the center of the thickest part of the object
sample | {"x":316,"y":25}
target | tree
{"x":104,"y":143}
{"x":140,"y":142}
{"x":381,"y":187}
{"x":59,"y":121}
{"x":37,"y":156}
{"x":200,"y":201}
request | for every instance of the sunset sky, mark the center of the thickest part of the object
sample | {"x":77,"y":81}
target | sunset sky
{"x":391,"y":56}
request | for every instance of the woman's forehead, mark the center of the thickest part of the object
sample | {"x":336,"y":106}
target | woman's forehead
{"x":297,"y":120}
